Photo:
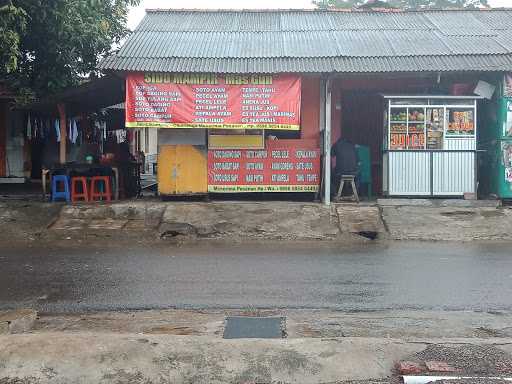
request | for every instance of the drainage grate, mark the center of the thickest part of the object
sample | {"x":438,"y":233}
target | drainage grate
{"x":239,"y":327}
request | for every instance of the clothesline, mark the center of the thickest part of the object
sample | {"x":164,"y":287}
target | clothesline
{"x":48,"y":129}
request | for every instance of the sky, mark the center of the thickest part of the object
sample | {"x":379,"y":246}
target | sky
{"x":137,"y":13}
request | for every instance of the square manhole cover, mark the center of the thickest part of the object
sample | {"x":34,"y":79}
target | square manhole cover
{"x":241,"y":327}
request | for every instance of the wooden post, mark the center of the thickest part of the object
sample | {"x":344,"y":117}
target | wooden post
{"x":63,"y":132}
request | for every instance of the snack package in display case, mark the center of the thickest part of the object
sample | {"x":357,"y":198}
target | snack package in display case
{"x":435,"y":128}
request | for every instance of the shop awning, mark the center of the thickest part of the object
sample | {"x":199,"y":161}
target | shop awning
{"x":91,"y":96}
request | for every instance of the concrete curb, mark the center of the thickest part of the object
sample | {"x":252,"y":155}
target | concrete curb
{"x":449,"y":203}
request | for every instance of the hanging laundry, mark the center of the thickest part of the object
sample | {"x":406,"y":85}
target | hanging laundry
{"x":104,"y":129}
{"x":34,"y":129}
{"x":120,"y":135}
{"x":74,"y":132}
{"x":29,"y":128}
{"x":57,"y":130}
{"x":42,"y":129}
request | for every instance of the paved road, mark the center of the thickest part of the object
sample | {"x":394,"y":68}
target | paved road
{"x":394,"y":276}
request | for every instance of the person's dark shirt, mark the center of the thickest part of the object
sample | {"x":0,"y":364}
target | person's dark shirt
{"x":346,"y":157}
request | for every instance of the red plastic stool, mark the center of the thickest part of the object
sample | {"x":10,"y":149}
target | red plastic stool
{"x":75,"y":194}
{"x":100,"y":188}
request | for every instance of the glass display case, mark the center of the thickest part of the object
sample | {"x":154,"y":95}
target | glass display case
{"x":429,"y":145}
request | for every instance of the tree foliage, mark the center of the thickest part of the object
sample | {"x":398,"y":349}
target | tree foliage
{"x":12,"y":25}
{"x":47,"y":45}
{"x":404,"y":4}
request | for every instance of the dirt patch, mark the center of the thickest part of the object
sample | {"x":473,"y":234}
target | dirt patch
{"x":173,"y":330}
{"x":496,"y":213}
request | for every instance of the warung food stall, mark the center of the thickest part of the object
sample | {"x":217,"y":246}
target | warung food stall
{"x":225,"y":133}
{"x":430,"y":145}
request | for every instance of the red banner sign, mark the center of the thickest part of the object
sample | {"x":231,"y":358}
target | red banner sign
{"x":283,"y":166}
{"x":177,"y":100}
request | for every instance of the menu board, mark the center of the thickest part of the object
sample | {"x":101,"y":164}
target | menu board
{"x":461,"y":122}
{"x":283,"y":166}
{"x":181,"y":100}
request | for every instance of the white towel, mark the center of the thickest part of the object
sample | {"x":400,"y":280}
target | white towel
{"x":74,"y":132}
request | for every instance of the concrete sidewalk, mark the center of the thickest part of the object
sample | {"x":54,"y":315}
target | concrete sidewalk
{"x":446,"y":220}
{"x":134,"y":358}
{"x":186,"y":346}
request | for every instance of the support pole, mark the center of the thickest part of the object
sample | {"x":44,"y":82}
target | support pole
{"x":63,"y":132}
{"x":327,"y":143}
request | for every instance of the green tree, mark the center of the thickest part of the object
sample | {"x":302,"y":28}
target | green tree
{"x":12,"y":25}
{"x":405,"y":4}
{"x":47,"y":45}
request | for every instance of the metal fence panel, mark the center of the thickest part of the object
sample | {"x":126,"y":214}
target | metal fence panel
{"x":453,"y":173}
{"x":409,"y":173}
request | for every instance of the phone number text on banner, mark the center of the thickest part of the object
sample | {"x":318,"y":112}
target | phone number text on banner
{"x":172,"y":100}
{"x":280,"y":167}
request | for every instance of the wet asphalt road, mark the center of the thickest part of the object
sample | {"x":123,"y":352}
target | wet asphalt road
{"x":373,"y":277}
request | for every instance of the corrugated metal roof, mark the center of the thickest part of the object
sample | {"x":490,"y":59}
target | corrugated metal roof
{"x":317,"y":41}
{"x":316,"y":65}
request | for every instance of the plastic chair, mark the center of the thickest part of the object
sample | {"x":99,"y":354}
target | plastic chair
{"x":60,"y":180}
{"x":77,"y":195}
{"x":100,"y":188}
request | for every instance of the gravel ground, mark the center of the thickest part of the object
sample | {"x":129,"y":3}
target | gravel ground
{"x":470,"y":359}
{"x":7,"y":380}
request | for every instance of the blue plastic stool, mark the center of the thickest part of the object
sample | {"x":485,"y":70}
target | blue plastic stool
{"x":60,"y":194}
